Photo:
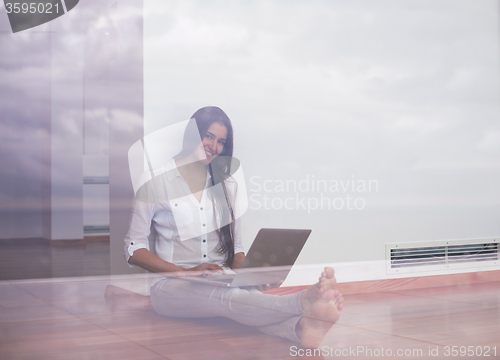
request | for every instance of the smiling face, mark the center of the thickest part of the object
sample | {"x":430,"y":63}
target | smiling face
{"x":213,"y":141}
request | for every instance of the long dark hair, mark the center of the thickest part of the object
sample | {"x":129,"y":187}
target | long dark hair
{"x":220,"y":170}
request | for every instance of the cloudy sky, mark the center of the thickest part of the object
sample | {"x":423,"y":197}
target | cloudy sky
{"x":56,"y":106}
{"x":402,"y":92}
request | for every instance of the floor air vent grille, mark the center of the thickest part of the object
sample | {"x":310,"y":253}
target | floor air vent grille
{"x":441,"y":255}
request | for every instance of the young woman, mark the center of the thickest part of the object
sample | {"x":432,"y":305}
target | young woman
{"x":192,"y":207}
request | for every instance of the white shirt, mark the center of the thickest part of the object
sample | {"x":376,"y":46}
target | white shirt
{"x":185,"y":227}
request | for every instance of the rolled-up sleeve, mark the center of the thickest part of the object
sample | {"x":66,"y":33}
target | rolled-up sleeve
{"x":139,"y":228}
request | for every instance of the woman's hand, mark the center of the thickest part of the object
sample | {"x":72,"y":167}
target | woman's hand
{"x":151,"y":262}
{"x":207,"y":269}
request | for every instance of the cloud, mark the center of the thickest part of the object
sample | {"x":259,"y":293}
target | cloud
{"x":54,"y":77}
{"x":401,"y":91}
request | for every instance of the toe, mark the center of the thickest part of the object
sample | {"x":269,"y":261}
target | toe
{"x":329,"y":272}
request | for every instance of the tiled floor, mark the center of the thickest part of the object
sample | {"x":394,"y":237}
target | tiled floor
{"x":71,"y":319}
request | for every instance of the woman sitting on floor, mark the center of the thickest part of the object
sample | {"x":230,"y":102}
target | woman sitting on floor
{"x":195,"y":191}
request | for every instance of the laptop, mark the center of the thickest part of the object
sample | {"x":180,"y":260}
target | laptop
{"x":268,"y":261}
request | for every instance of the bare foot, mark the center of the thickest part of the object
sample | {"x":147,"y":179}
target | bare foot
{"x":327,"y":279}
{"x":326,"y":282}
{"x":320,"y":318}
